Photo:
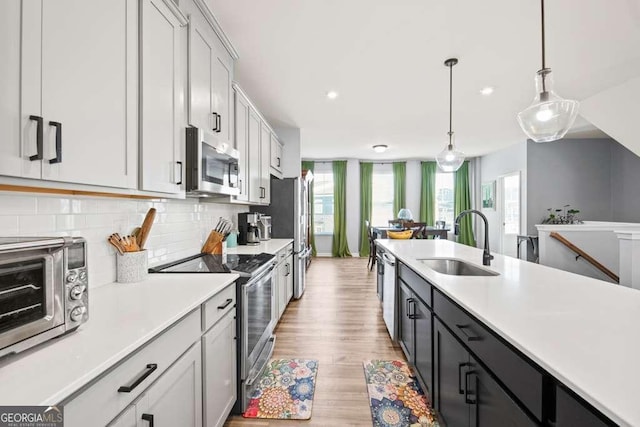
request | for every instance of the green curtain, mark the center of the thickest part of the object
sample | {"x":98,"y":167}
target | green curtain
{"x":399,"y":187}
{"x":461,"y":202}
{"x":428,"y":192}
{"x":307,"y":165}
{"x":366,"y":195}
{"x":340,"y":247}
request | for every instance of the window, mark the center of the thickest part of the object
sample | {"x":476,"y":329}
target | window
{"x":323,"y":201}
{"x":444,"y":197}
{"x":382,"y":194}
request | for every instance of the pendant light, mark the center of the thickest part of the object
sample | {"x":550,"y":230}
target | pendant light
{"x":450,"y":159}
{"x":549,"y":117}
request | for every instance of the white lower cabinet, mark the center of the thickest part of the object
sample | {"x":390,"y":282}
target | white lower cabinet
{"x":289,"y":278}
{"x":184,"y":377}
{"x":174,"y":400}
{"x":219,"y":370}
{"x":284,"y":282}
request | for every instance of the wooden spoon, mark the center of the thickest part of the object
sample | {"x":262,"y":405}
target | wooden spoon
{"x":145,"y":229}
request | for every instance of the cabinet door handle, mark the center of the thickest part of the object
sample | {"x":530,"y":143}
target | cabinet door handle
{"x":469,"y":397}
{"x":219,"y":124}
{"x":278,"y":161}
{"x":179,"y":180}
{"x":226,"y":304}
{"x":149,"y":418}
{"x":39,"y":138}
{"x":463,"y":329}
{"x":215,"y":122}
{"x":240,"y":186}
{"x":58,"y":158}
{"x":460,"y":366}
{"x":406,"y":306}
{"x":412,"y":314}
{"x":147,"y":371}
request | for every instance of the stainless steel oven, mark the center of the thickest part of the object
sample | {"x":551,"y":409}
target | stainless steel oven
{"x":257,"y":339}
{"x":211,"y":167}
{"x":43,"y":290}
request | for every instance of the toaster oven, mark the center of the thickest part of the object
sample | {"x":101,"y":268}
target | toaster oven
{"x":43,"y":289}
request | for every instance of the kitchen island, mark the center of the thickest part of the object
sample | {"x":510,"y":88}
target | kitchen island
{"x":578,"y":333}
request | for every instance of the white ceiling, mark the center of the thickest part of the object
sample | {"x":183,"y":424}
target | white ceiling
{"x":385,"y":58}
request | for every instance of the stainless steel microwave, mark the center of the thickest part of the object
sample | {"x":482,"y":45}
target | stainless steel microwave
{"x":211,"y":166}
{"x":43,"y":289}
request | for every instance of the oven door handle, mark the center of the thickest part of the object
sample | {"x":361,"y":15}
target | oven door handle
{"x":260,"y":280}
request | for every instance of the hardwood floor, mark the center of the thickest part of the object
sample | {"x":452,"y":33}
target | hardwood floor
{"x":338,"y":321}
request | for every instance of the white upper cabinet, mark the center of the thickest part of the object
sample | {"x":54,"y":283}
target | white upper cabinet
{"x":75,"y":119}
{"x":210,"y":79}
{"x":14,"y":156}
{"x":163,"y":69}
{"x":265,"y":164}
{"x":242,"y":145}
{"x":276,"y":156}
{"x":255,"y":176}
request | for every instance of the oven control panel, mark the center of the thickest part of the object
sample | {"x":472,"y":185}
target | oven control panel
{"x":76,"y":283}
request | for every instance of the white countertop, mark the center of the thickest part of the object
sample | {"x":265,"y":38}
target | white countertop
{"x":269,"y":246}
{"x":122,"y":318}
{"x":583,"y":331}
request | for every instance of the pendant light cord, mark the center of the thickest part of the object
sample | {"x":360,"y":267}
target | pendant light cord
{"x":544,"y":61}
{"x":450,"y":102}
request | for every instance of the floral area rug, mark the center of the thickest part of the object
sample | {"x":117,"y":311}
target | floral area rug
{"x":285,"y":390}
{"x":395,"y":396}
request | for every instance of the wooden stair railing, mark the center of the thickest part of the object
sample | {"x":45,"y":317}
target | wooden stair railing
{"x":585,"y":255}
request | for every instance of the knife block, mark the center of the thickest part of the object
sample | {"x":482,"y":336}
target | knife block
{"x":214,"y":244}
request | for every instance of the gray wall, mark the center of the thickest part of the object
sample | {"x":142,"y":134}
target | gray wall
{"x":493,"y":166}
{"x":625,"y":184}
{"x":571,"y":171}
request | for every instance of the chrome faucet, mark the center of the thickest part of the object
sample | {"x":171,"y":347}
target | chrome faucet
{"x":486,"y":256}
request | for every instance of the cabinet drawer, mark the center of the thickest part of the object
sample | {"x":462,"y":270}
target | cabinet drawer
{"x":218,"y":305}
{"x":101,"y":401}
{"x":420,"y":287}
{"x":522,"y":379}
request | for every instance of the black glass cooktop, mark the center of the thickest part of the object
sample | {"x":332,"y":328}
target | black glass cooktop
{"x":206,"y":263}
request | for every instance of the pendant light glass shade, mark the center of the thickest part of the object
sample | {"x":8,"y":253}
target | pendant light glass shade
{"x":549,"y":117}
{"x":450,"y":159}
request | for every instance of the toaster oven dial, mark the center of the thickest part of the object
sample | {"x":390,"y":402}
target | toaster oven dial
{"x":72,"y":277}
{"x":77,"y":313}
{"x":76,"y":292}
{"x":83,"y":275}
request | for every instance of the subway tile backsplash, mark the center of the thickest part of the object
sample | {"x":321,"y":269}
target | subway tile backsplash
{"x":179,"y":229}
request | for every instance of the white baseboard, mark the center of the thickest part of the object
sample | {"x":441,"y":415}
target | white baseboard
{"x":328,"y":255}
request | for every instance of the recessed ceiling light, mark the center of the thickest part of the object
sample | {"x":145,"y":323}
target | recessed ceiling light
{"x":380,"y":148}
{"x":488,"y":90}
{"x":332,"y":94}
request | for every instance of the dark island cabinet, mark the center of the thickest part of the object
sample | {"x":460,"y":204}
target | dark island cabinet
{"x":405,"y":322}
{"x":474,"y":376}
{"x":415,"y":332}
{"x":570,"y":411}
{"x":464,"y":392}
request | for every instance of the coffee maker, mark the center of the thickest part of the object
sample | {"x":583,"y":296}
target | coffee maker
{"x":248,"y":231}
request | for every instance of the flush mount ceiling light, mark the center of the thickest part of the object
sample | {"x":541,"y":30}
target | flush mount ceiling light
{"x":549,"y":117}
{"x":487,"y":90}
{"x":450,"y":159}
{"x":332,"y":94}
{"x":380,"y":148}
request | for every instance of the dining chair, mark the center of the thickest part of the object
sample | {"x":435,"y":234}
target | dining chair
{"x":418,"y":230}
{"x":372,"y":246}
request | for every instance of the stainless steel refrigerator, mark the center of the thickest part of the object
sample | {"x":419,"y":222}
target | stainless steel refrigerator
{"x":289,"y":211}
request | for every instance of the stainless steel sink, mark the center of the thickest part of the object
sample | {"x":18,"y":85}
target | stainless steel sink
{"x":456,"y":267}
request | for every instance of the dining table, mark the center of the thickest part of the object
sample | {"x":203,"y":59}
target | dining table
{"x":380,"y":232}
